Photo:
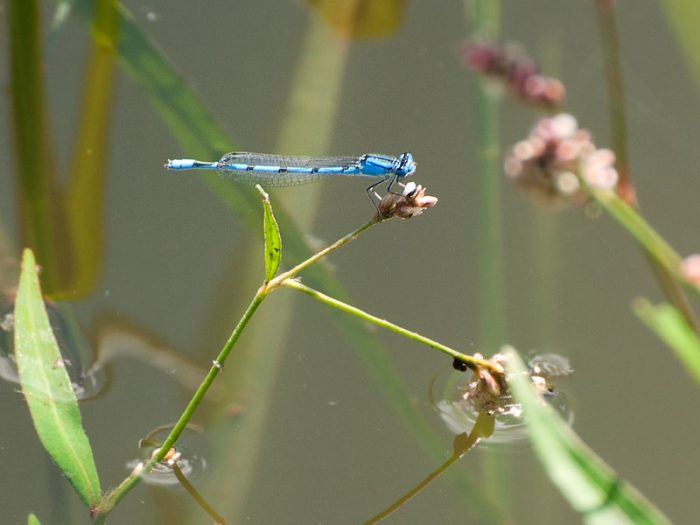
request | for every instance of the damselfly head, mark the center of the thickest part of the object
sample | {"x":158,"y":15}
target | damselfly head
{"x":406,"y":165}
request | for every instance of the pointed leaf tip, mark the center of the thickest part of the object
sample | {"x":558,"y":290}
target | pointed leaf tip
{"x":48,"y":389}
{"x":273,"y":240}
{"x":673,"y":329}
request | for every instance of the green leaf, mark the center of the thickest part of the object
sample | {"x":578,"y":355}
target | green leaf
{"x":85,"y":198}
{"x":671,"y":327}
{"x":273,"y":240}
{"x":32,"y":519}
{"x":683,"y":16}
{"x":592,"y":487}
{"x":42,"y":221}
{"x":47,"y":387}
{"x":202,"y":136}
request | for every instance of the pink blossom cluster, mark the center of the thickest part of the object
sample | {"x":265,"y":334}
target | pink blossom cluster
{"x":509,"y":64}
{"x":548,"y":164}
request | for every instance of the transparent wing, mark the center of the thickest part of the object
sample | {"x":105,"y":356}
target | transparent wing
{"x":287,"y":161}
{"x":245,"y":167}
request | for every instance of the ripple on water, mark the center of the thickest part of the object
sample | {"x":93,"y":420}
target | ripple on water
{"x":76,"y":354}
{"x":187,"y":455}
{"x":460,"y":414}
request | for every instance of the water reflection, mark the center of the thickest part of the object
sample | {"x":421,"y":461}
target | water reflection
{"x":459,"y":407}
{"x":186,"y":460}
{"x":87,"y":380}
{"x":87,"y":364}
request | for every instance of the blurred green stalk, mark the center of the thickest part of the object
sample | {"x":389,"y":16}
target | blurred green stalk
{"x":485,"y":16}
{"x":663,"y":272}
{"x":85,"y":195}
{"x":42,"y":223}
{"x":307,"y":126}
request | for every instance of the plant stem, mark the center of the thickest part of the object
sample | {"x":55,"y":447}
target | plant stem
{"x":85,"y":196}
{"x":485,"y":21}
{"x":108,"y":501}
{"x":663,"y":270}
{"x":662,"y":257}
{"x":635,"y":224}
{"x":471,"y":362}
{"x":277,"y":281}
{"x":111,"y":499}
{"x":463,"y":443}
{"x":42,"y":221}
{"x":491,"y":285}
{"x":616,"y":96}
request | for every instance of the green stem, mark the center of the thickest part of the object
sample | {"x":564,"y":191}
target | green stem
{"x":196,"y":496}
{"x":662,"y":255}
{"x":485,"y":20}
{"x":277,"y":281}
{"x":471,"y":362}
{"x":403,"y":500}
{"x":491,"y":286}
{"x":666,"y":271}
{"x":463,"y":443}
{"x":111,"y":499}
{"x":674,"y":293}
{"x":616,"y":95}
{"x":85,"y":197}
{"x":41,"y":223}
{"x":635,"y":224}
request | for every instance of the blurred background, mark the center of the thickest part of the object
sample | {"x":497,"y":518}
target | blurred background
{"x":313,"y":421}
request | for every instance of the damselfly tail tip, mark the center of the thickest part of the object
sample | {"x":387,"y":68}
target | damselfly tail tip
{"x":180,"y":164}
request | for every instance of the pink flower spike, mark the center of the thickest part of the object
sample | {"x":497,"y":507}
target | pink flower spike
{"x":690,"y":269}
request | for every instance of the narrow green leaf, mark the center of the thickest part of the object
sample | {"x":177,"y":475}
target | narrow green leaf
{"x":671,"y":327}
{"x":86,"y":186}
{"x":42,"y":223}
{"x":47,"y":387}
{"x":273,"y":240}
{"x":592,"y":487}
{"x":683,"y":16}
{"x":32,"y":519}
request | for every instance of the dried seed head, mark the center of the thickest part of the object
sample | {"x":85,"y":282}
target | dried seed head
{"x":411,"y":202}
{"x":488,"y":390}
